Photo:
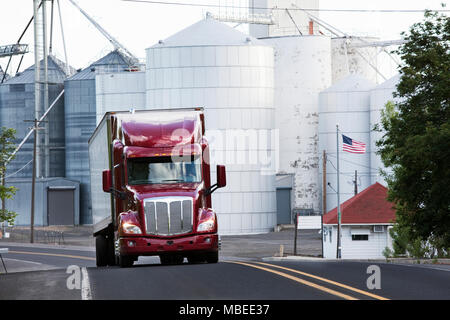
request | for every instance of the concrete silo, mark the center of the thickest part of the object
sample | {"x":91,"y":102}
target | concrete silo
{"x":80,"y":120}
{"x":379,"y":96}
{"x":347,"y":104}
{"x":231,"y":75}
{"x":302,"y":70}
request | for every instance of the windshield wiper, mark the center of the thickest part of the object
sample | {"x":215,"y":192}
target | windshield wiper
{"x":173,"y":180}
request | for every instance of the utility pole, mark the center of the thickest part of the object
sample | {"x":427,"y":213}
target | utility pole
{"x":37,"y":69}
{"x":46,"y":162}
{"x":338,"y":251}
{"x":33,"y":181}
{"x":324,"y":182}
{"x":324,"y":191}
{"x":295,"y":233}
{"x":356,"y":182}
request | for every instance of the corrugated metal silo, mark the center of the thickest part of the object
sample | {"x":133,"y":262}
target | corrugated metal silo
{"x":379,"y":96}
{"x":17,"y":105}
{"x":302,"y":70}
{"x":212,"y":65}
{"x":80,"y":119}
{"x":346,"y":103}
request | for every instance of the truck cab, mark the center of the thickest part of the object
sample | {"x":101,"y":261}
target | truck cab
{"x":159,"y":187}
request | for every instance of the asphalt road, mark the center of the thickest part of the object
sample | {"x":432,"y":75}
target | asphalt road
{"x":242,"y":279}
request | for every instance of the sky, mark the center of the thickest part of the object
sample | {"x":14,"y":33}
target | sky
{"x":140,"y":25}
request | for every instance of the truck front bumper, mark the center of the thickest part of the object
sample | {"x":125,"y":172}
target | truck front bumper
{"x":143,"y":246}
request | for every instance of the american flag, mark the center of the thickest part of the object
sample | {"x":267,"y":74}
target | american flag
{"x":352,"y":146}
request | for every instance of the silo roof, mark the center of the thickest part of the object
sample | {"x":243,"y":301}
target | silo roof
{"x":56,"y":72}
{"x":114,"y":58}
{"x":351,"y":83}
{"x":208,"y":32}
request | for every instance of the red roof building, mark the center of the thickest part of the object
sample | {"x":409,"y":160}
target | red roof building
{"x":366,"y":220}
{"x":368,"y":207}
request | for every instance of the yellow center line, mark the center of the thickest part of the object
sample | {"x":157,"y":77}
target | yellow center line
{"x":53,"y":254}
{"x":327,"y":280}
{"x":305,"y":282}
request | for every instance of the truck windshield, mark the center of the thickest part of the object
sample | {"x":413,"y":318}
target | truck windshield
{"x":164,"y":170}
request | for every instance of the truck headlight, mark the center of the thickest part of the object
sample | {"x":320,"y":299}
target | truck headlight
{"x":131,"y":228}
{"x":207,"y":222}
{"x":206,"y":226}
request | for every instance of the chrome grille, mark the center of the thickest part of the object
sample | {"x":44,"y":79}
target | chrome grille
{"x":168,"y":215}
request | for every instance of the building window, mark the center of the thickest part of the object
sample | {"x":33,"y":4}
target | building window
{"x":360,"y":237}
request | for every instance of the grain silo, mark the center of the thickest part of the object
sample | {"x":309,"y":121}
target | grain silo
{"x":346,"y":104}
{"x":17,"y":104}
{"x":379,"y":96}
{"x":230,"y":74}
{"x":80,"y":119}
{"x":302,"y":70}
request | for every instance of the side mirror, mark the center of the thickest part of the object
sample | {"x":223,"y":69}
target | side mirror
{"x":107,"y":180}
{"x":221,"y":176}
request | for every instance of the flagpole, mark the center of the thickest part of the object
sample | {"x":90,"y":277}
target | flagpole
{"x":338,"y":251}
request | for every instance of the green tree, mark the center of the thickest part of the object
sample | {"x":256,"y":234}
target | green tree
{"x":7,"y":147}
{"x":416,"y":143}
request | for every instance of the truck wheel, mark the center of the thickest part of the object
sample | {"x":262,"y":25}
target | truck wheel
{"x":111,"y":251}
{"x":212,"y":257}
{"x":101,"y":250}
{"x":125,"y":261}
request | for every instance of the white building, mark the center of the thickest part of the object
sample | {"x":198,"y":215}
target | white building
{"x":365,"y":222}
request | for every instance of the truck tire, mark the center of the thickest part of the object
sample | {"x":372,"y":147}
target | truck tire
{"x":125,"y":261}
{"x":212,"y":257}
{"x":110,"y":251}
{"x":101,"y":251}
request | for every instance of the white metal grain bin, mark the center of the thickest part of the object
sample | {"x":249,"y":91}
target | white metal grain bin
{"x":379,"y":96}
{"x":346,"y":103}
{"x":302,"y":70}
{"x":212,"y":65}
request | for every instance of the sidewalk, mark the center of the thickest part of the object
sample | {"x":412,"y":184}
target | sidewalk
{"x":52,"y":235}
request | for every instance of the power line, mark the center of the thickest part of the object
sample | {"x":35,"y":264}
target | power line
{"x":357,"y":164}
{"x":278,"y":8}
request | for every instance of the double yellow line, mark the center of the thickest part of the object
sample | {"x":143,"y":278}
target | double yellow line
{"x":309,"y":283}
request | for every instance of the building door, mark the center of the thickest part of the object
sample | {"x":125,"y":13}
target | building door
{"x":284,"y":205}
{"x":60,"y":209}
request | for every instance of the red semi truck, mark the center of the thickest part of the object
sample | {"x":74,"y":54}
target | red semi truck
{"x":151,"y":188}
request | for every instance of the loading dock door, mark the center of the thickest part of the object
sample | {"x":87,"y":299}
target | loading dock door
{"x":284,"y":205}
{"x":61,"y":211}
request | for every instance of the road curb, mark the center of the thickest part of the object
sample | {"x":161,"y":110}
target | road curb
{"x":391,"y":261}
